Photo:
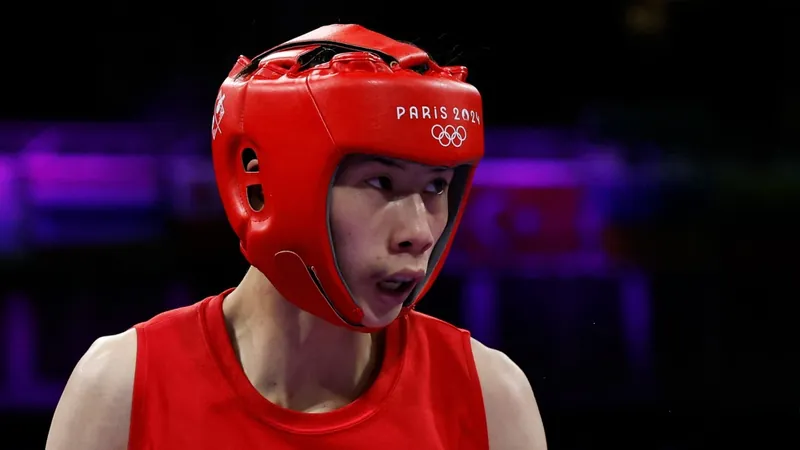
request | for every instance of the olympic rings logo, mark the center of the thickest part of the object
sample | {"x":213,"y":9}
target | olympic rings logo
{"x":449,"y":135}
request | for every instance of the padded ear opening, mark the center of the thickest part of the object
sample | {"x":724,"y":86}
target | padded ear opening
{"x":255,"y":191}
{"x":255,"y":197}
{"x":249,"y":160}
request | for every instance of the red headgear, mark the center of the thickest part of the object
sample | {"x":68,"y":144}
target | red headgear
{"x":303,"y":106}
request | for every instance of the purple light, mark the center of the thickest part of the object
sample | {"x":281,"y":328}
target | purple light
{"x":92,"y":180}
{"x":526,"y":173}
{"x":11,"y":213}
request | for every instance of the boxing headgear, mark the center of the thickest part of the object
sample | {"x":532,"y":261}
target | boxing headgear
{"x":303,"y":106}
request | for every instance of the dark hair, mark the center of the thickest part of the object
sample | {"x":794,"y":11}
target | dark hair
{"x":324,"y":53}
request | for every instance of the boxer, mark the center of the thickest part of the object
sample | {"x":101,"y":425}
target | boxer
{"x":344,"y":161}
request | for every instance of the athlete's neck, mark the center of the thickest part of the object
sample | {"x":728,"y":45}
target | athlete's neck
{"x":293,"y":358}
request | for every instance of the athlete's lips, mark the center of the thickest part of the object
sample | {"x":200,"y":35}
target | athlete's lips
{"x":406,"y":276}
{"x":397,"y":286}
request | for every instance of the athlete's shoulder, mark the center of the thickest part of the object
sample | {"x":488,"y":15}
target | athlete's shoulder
{"x":94,"y":409}
{"x":512,"y":414}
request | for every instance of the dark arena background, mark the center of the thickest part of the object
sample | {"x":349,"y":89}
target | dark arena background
{"x":631,"y":242}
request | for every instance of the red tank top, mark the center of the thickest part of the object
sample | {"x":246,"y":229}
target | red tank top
{"x":191,"y":393}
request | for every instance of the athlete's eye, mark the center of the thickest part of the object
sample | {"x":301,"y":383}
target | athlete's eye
{"x":381,"y":183}
{"x":436,"y":186}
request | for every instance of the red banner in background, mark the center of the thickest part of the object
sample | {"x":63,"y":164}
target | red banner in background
{"x":510,"y":222}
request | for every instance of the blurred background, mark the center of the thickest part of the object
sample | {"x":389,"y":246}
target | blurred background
{"x":631,"y":241}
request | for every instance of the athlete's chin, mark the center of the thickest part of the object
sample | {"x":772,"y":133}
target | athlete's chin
{"x":380,"y":317}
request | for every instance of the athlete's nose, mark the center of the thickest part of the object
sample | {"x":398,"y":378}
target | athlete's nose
{"x":412,"y":233}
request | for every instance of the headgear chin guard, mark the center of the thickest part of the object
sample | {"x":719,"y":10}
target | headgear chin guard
{"x":302,"y":107}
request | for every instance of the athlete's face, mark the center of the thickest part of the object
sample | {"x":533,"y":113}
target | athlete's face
{"x":386,"y":216}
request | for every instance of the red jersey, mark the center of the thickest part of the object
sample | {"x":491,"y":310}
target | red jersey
{"x":190,"y":392}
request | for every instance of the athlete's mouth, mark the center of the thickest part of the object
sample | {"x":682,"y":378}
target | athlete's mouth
{"x":395,"y":286}
{"x":401,"y":282}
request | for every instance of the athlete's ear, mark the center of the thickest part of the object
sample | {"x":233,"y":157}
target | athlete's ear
{"x":250,"y":161}
{"x":255,"y":193}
